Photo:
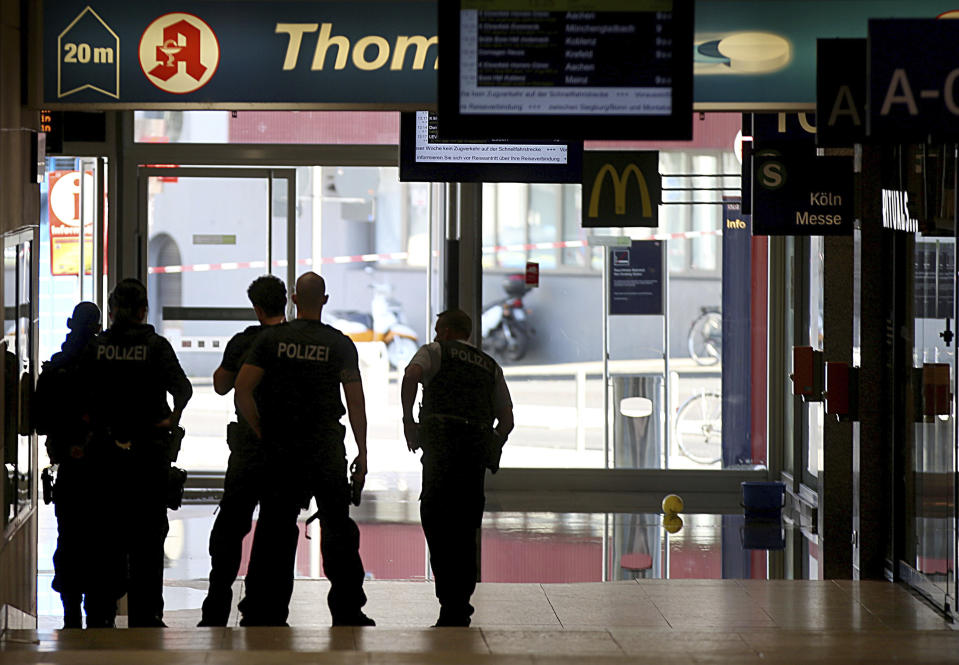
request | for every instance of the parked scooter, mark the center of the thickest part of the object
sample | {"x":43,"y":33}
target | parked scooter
{"x":505,"y":323}
{"x":385,"y":323}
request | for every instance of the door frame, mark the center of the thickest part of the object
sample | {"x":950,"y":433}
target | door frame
{"x":144,"y":173}
{"x":722,"y":484}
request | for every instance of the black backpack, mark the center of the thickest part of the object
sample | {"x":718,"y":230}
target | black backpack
{"x":54,"y":409}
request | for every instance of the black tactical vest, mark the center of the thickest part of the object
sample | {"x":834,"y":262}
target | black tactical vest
{"x":133,"y":369}
{"x":463,"y":386}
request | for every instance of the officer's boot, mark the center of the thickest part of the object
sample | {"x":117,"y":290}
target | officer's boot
{"x":72,"y":616}
{"x":216,"y":608}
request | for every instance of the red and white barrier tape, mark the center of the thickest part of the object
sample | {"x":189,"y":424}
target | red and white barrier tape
{"x":400,"y":256}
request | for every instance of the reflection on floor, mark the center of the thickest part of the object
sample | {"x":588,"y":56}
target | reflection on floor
{"x":641,"y":621}
{"x":558,"y":587}
{"x":520,"y":547}
{"x":517,"y":547}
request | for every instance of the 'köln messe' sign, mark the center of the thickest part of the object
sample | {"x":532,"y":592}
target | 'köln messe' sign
{"x":797,"y":193}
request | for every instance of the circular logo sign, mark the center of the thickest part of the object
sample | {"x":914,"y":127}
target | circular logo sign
{"x":65,"y":198}
{"x":179,"y":53}
{"x":771,"y":171}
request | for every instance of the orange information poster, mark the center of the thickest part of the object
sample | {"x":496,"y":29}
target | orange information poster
{"x":64,"y":202}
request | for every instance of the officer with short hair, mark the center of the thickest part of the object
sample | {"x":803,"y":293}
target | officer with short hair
{"x":464,"y":394}
{"x":288,"y":390}
{"x":132,"y":370}
{"x":58,"y":415}
{"x":244,"y":472}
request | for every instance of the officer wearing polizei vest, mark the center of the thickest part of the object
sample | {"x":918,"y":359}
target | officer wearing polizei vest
{"x":464,"y":396}
{"x":295,"y":371}
{"x":56,"y":414}
{"x":132,"y":369}
{"x":244,"y":473}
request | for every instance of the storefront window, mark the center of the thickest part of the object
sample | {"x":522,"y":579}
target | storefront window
{"x":932,"y":548}
{"x":553,"y":364}
{"x":815,"y":412}
{"x":545,"y":216}
{"x":268,"y":127}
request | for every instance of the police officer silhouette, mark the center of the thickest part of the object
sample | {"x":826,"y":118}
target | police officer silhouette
{"x":58,"y":415}
{"x":288,"y":390}
{"x":244,"y":472}
{"x":132,"y":370}
{"x":464,"y":395}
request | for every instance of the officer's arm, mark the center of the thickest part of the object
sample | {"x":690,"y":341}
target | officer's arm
{"x":225,"y":375}
{"x":356,"y":410}
{"x":411,"y":380}
{"x":223,"y":380}
{"x":177,"y":384}
{"x":247,"y":380}
{"x":504,"y":422}
{"x":502,"y":407}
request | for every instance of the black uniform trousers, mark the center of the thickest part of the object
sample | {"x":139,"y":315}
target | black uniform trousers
{"x":242,"y":488}
{"x":130,"y":552}
{"x":269,"y":580}
{"x":451,"y":510}
{"x":75,"y":507}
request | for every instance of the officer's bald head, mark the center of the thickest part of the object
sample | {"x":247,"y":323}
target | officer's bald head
{"x":453,"y":324}
{"x":310,"y":294}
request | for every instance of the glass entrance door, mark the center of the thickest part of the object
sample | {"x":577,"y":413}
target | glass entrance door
{"x":209,"y":232}
{"x":19,"y":365}
{"x":930,"y":542}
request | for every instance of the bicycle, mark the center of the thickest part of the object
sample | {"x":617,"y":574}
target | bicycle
{"x":698,"y":428}
{"x":705,"y":338}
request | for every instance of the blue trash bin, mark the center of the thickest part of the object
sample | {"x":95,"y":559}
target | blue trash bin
{"x":763,"y":534}
{"x":763,"y":498}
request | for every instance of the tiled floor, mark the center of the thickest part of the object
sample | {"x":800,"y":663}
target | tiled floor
{"x":646,"y":621}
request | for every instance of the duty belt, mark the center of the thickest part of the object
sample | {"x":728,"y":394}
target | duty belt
{"x":459,"y":420}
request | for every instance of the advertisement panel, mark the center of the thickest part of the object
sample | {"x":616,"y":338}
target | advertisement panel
{"x":756,"y":54}
{"x":636,"y":278}
{"x":747,"y":54}
{"x":64,"y":207}
{"x":269,"y":54}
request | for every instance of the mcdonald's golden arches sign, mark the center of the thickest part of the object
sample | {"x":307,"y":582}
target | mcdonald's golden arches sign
{"x":621,"y":188}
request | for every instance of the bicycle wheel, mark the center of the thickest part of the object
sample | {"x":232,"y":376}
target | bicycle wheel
{"x":699,"y":428}
{"x":705,"y":339}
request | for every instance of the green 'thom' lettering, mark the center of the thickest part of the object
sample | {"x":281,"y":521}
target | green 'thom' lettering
{"x":367,"y":53}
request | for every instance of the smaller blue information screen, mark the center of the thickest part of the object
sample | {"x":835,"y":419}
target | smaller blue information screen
{"x":636,"y":278}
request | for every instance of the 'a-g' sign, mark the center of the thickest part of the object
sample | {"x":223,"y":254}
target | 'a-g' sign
{"x":621,"y":188}
{"x":913,"y":86}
